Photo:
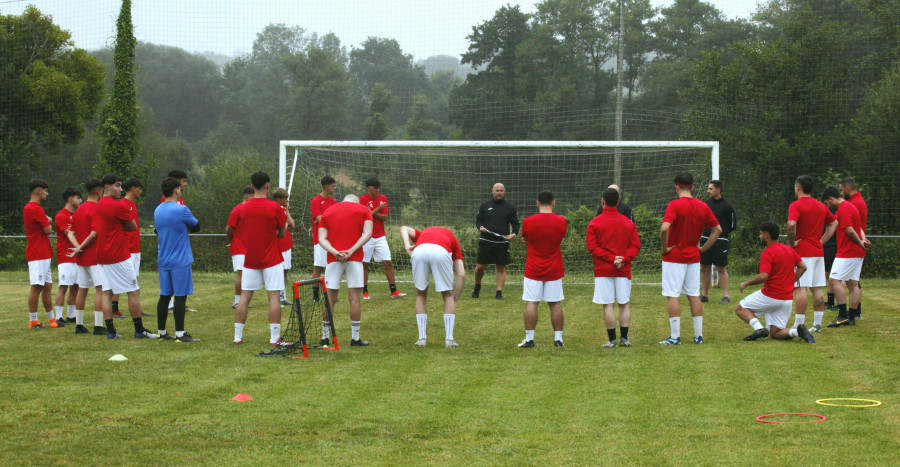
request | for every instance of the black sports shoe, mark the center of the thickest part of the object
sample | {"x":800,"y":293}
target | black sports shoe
{"x":186,"y":338}
{"x":526,"y":344}
{"x":757,"y":334}
{"x":704,"y":298}
{"x":70,"y":320}
{"x":100,"y":331}
{"x":839,"y":321}
{"x":476,"y":290}
{"x":358,"y":343}
{"x":499,"y":295}
{"x":805,"y":334}
{"x":165,"y":337}
{"x":557,"y":344}
{"x":145,"y":314}
{"x":325,"y":342}
{"x":80,"y":329}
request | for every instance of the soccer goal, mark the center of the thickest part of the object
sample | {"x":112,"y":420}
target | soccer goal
{"x":308,"y":313}
{"x":444,"y":182}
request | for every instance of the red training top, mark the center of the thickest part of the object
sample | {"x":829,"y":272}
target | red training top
{"x":688,"y":217}
{"x":81,"y":225}
{"x":811,"y":217}
{"x":62,"y":223}
{"x":134,"y":237}
{"x":848,"y":216}
{"x":441,"y":236}
{"x":38,"y":244}
{"x":286,"y":243}
{"x":544,"y":232}
{"x":109,"y":222}
{"x":609,"y":235}
{"x":257,"y":223}
{"x":237,"y":247}
{"x":345,"y":225}
{"x":317,"y":206}
{"x":860,"y":204}
{"x":180,"y":200}
{"x":779,"y":261}
{"x":377,"y":225}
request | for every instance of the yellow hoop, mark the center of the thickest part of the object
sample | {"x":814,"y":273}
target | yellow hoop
{"x":872,"y":403}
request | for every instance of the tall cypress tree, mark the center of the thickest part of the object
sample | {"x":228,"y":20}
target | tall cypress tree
{"x":119,"y":128}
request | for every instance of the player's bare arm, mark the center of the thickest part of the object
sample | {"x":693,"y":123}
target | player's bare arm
{"x":792,"y":233}
{"x":83,"y":246}
{"x":229,"y":234}
{"x":289,"y":221}
{"x":281,"y":231}
{"x":664,"y":238}
{"x":829,"y":231}
{"x":324,"y":243}
{"x":801,"y":268}
{"x":759,"y":279}
{"x":460,"y":269}
{"x":130,"y":227}
{"x":407,"y":233}
{"x":852,"y":234}
{"x":713,"y":236}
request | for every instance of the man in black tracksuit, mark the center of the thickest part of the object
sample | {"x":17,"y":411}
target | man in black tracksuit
{"x":718,"y":254}
{"x":493,"y":221}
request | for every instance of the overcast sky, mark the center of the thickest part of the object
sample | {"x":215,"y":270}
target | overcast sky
{"x":228,"y":27}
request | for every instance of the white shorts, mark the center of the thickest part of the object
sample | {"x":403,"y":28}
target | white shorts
{"x":68,"y":273}
{"x":847,"y":269}
{"x":377,"y":249}
{"x":680,"y":278}
{"x":815,"y":272}
{"x":777,"y":312}
{"x":271,"y":277}
{"x":39,"y":272}
{"x":286,"y":256}
{"x":119,"y":277}
{"x":429,"y":260}
{"x":320,"y":256}
{"x":611,"y":289}
{"x":334,"y":271}
{"x":548,"y":291}
{"x":136,"y":262}
{"x":237,"y":262}
{"x":90,"y":276}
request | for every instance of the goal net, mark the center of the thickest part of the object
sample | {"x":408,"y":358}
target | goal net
{"x":309,"y":312}
{"x":443,"y":183}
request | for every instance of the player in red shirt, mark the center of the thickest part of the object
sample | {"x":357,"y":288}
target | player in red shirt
{"x":807,"y":220}
{"x":850,"y":192}
{"x":181,"y":176}
{"x":235,"y":247}
{"x":67,"y":270}
{"x":849,"y":259}
{"x":82,"y":237}
{"x":343,"y":230}
{"x":377,"y":247}
{"x":684,"y":222}
{"x":286,"y":243}
{"x":317,"y":206}
{"x":613,"y":241}
{"x":435,"y":252}
{"x":779,"y":268}
{"x":133,"y":188}
{"x":543,"y":233}
{"x":38,"y":226}
{"x":260,"y":223}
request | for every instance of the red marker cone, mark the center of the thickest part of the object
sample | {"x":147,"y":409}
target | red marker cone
{"x":242,"y":398}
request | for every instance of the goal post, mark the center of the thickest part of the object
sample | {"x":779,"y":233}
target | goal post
{"x":444,"y":182}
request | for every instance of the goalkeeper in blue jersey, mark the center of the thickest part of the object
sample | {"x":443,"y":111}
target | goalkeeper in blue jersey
{"x":173,"y":222}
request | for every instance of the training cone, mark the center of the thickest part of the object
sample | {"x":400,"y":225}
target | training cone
{"x":117,"y":358}
{"x":242,"y":398}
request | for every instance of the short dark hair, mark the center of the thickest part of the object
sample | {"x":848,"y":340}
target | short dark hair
{"x":684,"y":178}
{"x":372,"y":181}
{"x":70,"y":192}
{"x":327,"y":180}
{"x":168,"y":185}
{"x":805,"y":182}
{"x":771,"y":228}
{"x":545,"y":198}
{"x":279,"y":193}
{"x":610,"y":197}
{"x":110,"y":179}
{"x":37,"y":183}
{"x":178,"y":174}
{"x":717,"y":184}
{"x":92,"y":184}
{"x":248,"y":190}
{"x":849,"y":183}
{"x":259,"y":179}
{"x":831,"y":191}
{"x":133,"y":182}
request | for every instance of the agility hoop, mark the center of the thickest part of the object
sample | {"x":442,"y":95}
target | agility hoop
{"x":761,"y":418}
{"x":871,"y":403}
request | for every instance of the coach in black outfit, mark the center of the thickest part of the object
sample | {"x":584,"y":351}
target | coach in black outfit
{"x":494,"y":220}
{"x":718,"y":254}
{"x":623,"y":208}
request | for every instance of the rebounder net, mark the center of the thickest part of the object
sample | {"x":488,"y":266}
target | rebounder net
{"x":309,"y":313}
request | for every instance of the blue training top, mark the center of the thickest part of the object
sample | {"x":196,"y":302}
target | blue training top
{"x":172,"y":221}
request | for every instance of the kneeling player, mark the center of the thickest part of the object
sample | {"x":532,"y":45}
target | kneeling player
{"x":435,"y":252}
{"x":777,"y":270}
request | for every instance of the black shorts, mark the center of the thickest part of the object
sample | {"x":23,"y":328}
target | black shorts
{"x":717,"y":255}
{"x":830,"y":253}
{"x":493,"y":253}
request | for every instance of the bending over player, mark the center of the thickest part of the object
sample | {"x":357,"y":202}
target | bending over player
{"x":435,"y":252}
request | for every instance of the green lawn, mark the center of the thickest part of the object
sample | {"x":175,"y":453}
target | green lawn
{"x":487,"y":402}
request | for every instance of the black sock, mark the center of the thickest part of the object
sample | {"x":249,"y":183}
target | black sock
{"x":110,"y":327}
{"x":499,"y":293}
{"x":180,"y":305}
{"x":115,"y":306}
{"x":830,"y":300}
{"x":624,"y":330}
{"x":393,"y":288}
{"x":859,"y":310}
{"x":138,"y":324}
{"x":852,"y":313}
{"x":366,"y":288}
{"x":611,"y":333}
{"x":477,"y":287}
{"x":842,"y":311}
{"x":162,"y":312}
{"x":315,"y":294}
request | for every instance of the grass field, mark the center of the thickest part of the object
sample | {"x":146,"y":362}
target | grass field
{"x":484,"y":403}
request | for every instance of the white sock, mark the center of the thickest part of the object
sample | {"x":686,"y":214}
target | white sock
{"x":675,"y":327}
{"x":354,"y":330}
{"x":422,"y":322}
{"x":237,"y":298}
{"x":50,"y":314}
{"x":755,"y":323}
{"x":162,"y":332}
{"x":98,"y":319}
{"x":178,"y":333}
{"x":557,"y":336}
{"x":793,"y":332}
{"x":817,"y":317}
{"x":798,"y":320}
{"x":698,"y":325}
{"x":79,"y":317}
{"x":449,"y":320}
{"x":32,"y":317}
{"x":238,"y":332}
{"x":326,"y":329}
{"x":274,"y":332}
{"x":71,"y":310}
{"x":529,"y":335}
{"x":59,"y":314}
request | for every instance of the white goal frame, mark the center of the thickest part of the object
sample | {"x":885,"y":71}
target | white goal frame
{"x":286,"y":181}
